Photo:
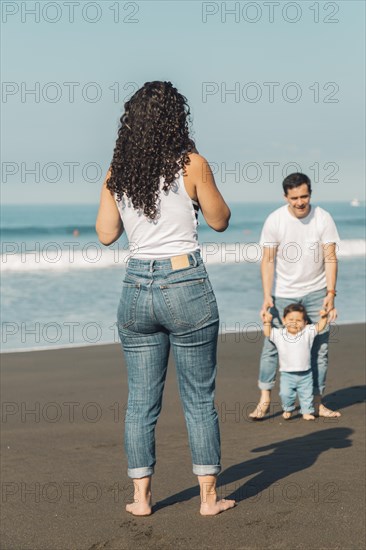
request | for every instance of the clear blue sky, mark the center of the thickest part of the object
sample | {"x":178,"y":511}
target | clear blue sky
{"x":191,"y":43}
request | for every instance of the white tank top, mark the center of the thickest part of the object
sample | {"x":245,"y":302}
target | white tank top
{"x":174,"y":232}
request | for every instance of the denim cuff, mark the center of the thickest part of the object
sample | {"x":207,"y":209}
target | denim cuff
{"x":203,"y":470}
{"x":318,"y":391}
{"x":266,"y":385}
{"x":311,"y":410}
{"x":290,"y":408}
{"x":137,"y":473}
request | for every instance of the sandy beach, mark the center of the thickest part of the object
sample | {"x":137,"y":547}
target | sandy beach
{"x":64,"y":484}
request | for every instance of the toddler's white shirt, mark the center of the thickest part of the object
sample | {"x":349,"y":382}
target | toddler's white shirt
{"x":294,"y":350}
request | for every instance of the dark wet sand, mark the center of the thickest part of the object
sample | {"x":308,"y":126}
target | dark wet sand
{"x":64,"y":484}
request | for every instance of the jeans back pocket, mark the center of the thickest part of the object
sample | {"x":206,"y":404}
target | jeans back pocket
{"x":188,"y":303}
{"x":126,"y":314}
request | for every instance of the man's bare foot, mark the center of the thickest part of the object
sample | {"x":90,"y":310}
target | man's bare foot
{"x":328,"y":413}
{"x":216,"y":507}
{"x":263,"y":406}
{"x":140,"y":508}
{"x":260,"y":411}
{"x":286,"y":415}
{"x":308,"y":417}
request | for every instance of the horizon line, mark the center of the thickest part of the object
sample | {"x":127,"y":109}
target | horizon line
{"x":347,"y":201}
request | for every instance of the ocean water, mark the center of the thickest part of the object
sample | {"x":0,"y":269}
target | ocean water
{"x":61,"y":287}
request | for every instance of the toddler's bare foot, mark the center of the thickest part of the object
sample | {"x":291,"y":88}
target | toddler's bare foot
{"x":216,"y":507}
{"x":260,"y":411}
{"x":286,"y":415}
{"x":328,"y":413}
{"x":308,"y":417}
{"x":137,"y":508}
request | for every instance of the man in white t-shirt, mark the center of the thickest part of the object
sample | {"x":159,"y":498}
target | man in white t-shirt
{"x":299,"y":264}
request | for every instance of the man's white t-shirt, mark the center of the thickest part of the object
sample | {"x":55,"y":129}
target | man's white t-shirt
{"x":294,"y":350}
{"x":299,"y":259}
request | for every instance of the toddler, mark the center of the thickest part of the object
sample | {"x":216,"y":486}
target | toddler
{"x":294,"y":342}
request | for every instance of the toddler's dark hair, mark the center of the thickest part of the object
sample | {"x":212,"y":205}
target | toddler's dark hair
{"x":296,"y":307}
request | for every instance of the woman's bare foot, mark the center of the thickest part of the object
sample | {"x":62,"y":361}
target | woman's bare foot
{"x":210,"y":505}
{"x":216,"y":507}
{"x":286,"y":415}
{"x":141,"y":505}
{"x":140,"y":508}
{"x":308,"y":417}
{"x":263,"y":406}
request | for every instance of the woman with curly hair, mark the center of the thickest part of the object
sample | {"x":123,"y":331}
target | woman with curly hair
{"x":153,"y":190}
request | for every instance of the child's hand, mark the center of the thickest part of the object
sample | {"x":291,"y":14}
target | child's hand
{"x":323,"y":313}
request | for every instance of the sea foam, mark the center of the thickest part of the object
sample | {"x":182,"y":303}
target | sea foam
{"x":94,"y":256}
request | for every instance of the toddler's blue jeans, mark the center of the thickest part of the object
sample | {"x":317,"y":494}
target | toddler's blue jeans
{"x":300,"y":383}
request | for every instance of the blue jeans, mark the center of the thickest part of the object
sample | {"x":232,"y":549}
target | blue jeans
{"x":300,"y":383}
{"x":162,"y":308}
{"x":313,"y":303}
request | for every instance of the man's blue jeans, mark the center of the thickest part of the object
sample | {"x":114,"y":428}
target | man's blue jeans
{"x":162,"y":308}
{"x":313,"y":303}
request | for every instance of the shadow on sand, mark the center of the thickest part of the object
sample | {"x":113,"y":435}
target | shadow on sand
{"x":345,"y":397}
{"x":287,"y":457}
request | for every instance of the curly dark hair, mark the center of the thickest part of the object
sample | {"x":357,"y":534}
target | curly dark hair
{"x":153,"y":142}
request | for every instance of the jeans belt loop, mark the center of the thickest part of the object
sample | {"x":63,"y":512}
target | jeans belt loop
{"x":194,"y":259}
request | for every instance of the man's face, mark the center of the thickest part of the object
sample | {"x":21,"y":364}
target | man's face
{"x":299,"y":201}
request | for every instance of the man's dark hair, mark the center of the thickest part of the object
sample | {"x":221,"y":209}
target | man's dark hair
{"x":295,"y":180}
{"x":296,"y":307}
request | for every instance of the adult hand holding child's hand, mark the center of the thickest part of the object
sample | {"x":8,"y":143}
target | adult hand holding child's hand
{"x":267,"y":318}
{"x":328,"y":306}
{"x":267,"y":303}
